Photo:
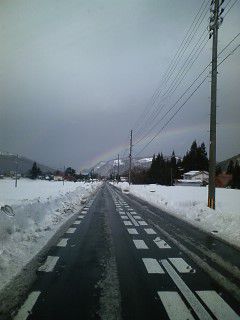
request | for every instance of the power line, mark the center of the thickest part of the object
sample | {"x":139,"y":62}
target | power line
{"x":197,"y":45}
{"x":202,"y":72}
{"x":183,"y":43}
{"x":164,"y":126}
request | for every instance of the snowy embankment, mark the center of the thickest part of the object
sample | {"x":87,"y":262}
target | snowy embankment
{"x":190,"y":204}
{"x":40,"y":208}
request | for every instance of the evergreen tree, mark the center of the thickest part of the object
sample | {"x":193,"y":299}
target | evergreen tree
{"x":230,"y":167}
{"x":35,"y":171}
{"x":236,"y":176}
{"x":218,"y":170}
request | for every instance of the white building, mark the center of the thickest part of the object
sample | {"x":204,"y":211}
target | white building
{"x":203,"y":176}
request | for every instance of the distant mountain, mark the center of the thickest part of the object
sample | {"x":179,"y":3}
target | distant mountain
{"x":224,"y":164}
{"x":105,"y":168}
{"x":9,"y":161}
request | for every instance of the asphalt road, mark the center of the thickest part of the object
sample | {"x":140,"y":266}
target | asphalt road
{"x":124,"y":259}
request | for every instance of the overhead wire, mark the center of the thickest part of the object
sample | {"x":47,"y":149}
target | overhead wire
{"x":182,"y":105}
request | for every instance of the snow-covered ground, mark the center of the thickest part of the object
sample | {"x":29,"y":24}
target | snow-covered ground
{"x":190,"y":204}
{"x":40,"y":208}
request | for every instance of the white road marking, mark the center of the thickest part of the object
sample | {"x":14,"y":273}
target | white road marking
{"x":84,"y":211}
{"x":142,"y":223}
{"x":137,"y":217}
{"x":26,"y":308}
{"x":161,"y":243}
{"x":49,"y":264}
{"x":217,"y":305}
{"x":71,"y":230}
{"x":124,"y":217}
{"x":122,"y":213}
{"x":62,"y":242}
{"x":132,"y":219}
{"x":187,"y":293}
{"x":149,"y":231}
{"x":152,"y":265}
{"x":174,"y":305}
{"x":81,"y":216}
{"x":132,"y":231}
{"x":140,"y":244}
{"x":127,"y":223}
{"x":77,"y":222}
{"x":181,"y":265}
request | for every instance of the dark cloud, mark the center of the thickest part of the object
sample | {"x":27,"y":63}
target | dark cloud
{"x":75,"y":75}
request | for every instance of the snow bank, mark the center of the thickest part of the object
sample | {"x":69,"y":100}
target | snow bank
{"x":190,"y":204}
{"x":40,"y":208}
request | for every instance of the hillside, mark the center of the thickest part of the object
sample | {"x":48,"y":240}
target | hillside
{"x":224,"y":164}
{"x":8,"y":163}
{"x":105,"y":168}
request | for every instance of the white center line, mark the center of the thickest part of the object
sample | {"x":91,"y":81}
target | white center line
{"x":217,"y":305}
{"x":140,"y":244}
{"x":26,"y":308}
{"x":132,"y":231}
{"x":152,"y":265}
{"x":174,"y":305}
{"x":62,"y":242}
{"x":161,"y":243}
{"x":49,"y":264}
{"x":132,"y":219}
{"x":71,"y":230}
{"x":181,"y":265}
{"x":187,"y":293}
{"x":149,"y":231}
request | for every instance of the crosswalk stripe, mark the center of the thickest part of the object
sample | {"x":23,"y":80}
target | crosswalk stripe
{"x":142,"y":223}
{"x":174,"y":306}
{"x":132,"y":231}
{"x":149,"y":231}
{"x":187,"y":293}
{"x":62,"y":242}
{"x":140,"y":244}
{"x":161,"y":243}
{"x":152,"y":265}
{"x":127,"y":223}
{"x":71,"y":230}
{"x":49,"y":264}
{"x":217,"y":305}
{"x":181,"y":265}
{"x":26,"y":308}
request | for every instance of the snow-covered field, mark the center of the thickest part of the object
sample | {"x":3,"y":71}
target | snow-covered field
{"x":40,"y":208}
{"x":190,"y":204}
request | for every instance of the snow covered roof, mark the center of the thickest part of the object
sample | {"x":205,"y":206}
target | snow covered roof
{"x":195,"y":172}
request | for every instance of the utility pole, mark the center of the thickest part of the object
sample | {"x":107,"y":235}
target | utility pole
{"x":215,"y":22}
{"x":118,"y":170}
{"x":130,"y":159}
{"x":16,"y":171}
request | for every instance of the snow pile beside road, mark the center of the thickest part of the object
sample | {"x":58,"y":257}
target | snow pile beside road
{"x":190,"y":204}
{"x":40,"y":208}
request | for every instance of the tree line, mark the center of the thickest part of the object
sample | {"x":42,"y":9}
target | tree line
{"x":165,"y":170}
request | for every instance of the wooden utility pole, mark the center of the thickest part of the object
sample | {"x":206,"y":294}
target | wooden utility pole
{"x":16,"y":172}
{"x":118,"y":176}
{"x":214,"y":26}
{"x":130,"y":159}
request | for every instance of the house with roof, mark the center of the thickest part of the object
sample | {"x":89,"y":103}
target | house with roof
{"x":193,"y":178}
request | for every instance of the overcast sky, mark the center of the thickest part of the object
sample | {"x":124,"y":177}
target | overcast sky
{"x":75,"y":76}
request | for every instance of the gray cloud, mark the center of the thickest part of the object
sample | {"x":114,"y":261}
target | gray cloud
{"x":75,"y":75}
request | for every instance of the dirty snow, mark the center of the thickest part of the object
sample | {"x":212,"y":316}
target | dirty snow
{"x":190,"y":203}
{"x":40,"y":208}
